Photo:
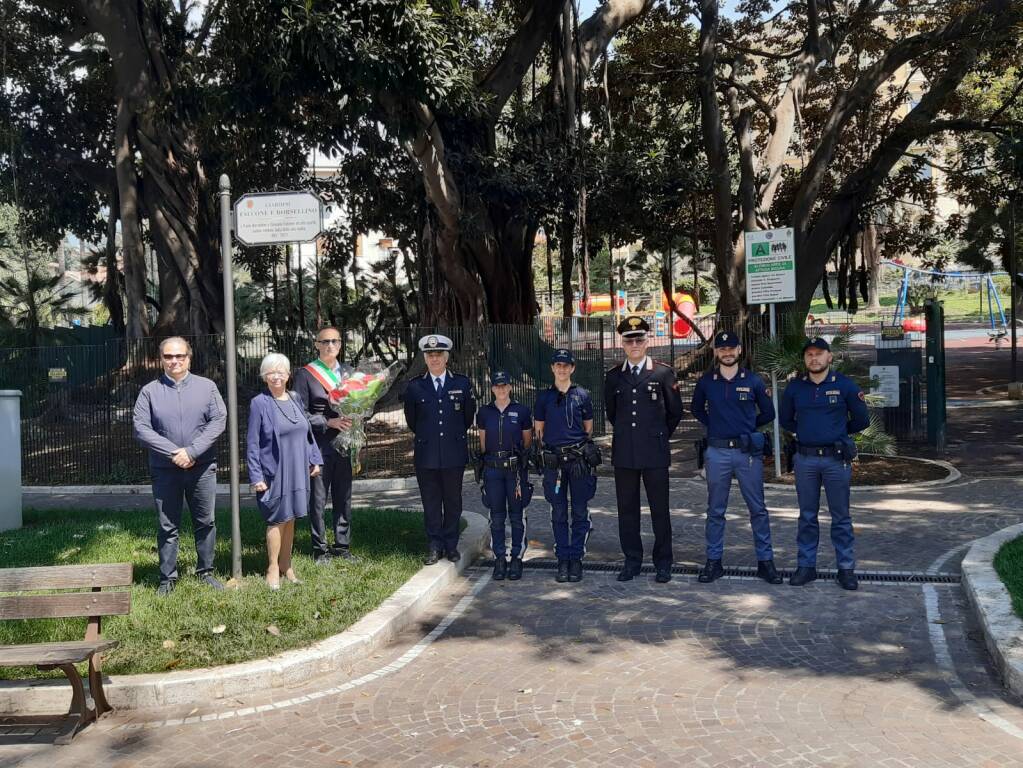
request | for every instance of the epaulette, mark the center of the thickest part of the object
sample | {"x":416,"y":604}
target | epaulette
{"x":658,"y":362}
{"x":616,"y":366}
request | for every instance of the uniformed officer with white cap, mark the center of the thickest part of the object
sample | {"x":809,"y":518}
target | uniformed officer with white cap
{"x":439,"y":409}
{"x":642,"y":401}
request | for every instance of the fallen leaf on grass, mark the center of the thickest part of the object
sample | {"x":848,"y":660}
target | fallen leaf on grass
{"x":172,"y":663}
{"x":316,"y":615}
{"x":168,"y":644}
{"x":272,"y":630}
{"x":219,"y":629}
{"x":233,"y":584}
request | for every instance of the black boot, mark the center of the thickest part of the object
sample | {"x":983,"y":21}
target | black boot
{"x":575,"y":570}
{"x":847,"y":579}
{"x":767,"y":571}
{"x":629,"y":572}
{"x":803,"y":575}
{"x":515,"y":569}
{"x":712,"y":571}
{"x":432,"y":557}
{"x":562,"y":576}
{"x":500,"y":568}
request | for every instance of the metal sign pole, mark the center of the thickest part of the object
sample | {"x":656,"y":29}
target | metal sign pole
{"x":774,"y":399}
{"x":231,"y":353}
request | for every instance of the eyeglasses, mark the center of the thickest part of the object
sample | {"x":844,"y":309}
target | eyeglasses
{"x":176,"y":357}
{"x":633,"y":341}
{"x":335,"y":342}
{"x":277,"y":375}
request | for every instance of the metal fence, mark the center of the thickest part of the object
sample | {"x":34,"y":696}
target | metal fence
{"x":77,"y":401}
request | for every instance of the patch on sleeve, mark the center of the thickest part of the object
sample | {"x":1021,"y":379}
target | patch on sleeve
{"x":860,"y":393}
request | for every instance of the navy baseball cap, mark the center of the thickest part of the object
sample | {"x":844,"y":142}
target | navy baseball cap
{"x":499,"y":377}
{"x":817,"y":343}
{"x":726,"y":339}
{"x":563,"y":356}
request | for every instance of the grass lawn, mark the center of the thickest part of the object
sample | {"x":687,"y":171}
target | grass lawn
{"x":959,"y":304}
{"x":1009,"y":565}
{"x":177,"y":632}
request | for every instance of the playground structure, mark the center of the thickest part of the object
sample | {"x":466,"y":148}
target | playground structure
{"x":997,"y":326}
{"x":645,"y":304}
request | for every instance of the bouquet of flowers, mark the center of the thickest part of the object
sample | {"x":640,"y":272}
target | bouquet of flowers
{"x":354,"y":397}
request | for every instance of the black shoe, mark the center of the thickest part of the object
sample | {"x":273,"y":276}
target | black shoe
{"x":628,"y":573}
{"x":343,"y":553}
{"x":515,"y":569}
{"x":500,"y":569}
{"x":210,"y":581}
{"x":432,"y":557}
{"x":663,"y":575}
{"x":453,"y":556}
{"x":803,"y":575}
{"x":575,"y":570}
{"x":562,"y":576}
{"x":847,"y":579}
{"x":323,"y":558}
{"x":767,"y":572}
{"x":165,"y":588}
{"x":712,"y":571}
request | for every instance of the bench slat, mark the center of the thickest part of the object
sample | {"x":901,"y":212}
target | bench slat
{"x":65,"y":577}
{"x":65,"y":605}
{"x":72,"y":652}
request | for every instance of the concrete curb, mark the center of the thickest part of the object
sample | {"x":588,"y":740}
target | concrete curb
{"x":990,"y":600}
{"x":953,"y":476}
{"x":365,"y":485}
{"x":396,"y":614}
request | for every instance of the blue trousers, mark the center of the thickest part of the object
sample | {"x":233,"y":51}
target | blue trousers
{"x":504,"y":506}
{"x":721,"y":465}
{"x":834,"y":474}
{"x":171,"y":488}
{"x":441,"y":492}
{"x":569,"y":541}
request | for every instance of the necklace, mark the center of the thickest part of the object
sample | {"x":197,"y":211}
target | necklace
{"x":293,"y":416}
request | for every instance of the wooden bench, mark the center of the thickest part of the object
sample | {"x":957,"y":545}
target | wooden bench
{"x":93,"y":604}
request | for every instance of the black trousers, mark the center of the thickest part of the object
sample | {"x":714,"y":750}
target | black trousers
{"x":441,"y":492}
{"x":335,"y":479}
{"x":627,"y":489}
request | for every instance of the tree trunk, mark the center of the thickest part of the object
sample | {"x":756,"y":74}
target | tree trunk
{"x":111,"y":286}
{"x":137,"y":320}
{"x":872,"y":260}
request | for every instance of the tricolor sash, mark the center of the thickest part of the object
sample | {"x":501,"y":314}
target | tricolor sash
{"x":328,"y":379}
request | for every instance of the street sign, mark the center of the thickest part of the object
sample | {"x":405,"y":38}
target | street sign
{"x":770,"y":266}
{"x":272,"y":218}
{"x":887,"y":377}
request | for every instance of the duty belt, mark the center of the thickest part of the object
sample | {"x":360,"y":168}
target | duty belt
{"x":724,"y":442}
{"x":501,"y":460}
{"x":567,"y":450}
{"x":816,"y":450}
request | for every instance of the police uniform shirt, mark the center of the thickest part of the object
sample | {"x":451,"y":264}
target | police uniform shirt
{"x":645,"y":410}
{"x":440,"y":419}
{"x":503,"y":429}
{"x":563,"y":415}
{"x":732,"y":407}
{"x":820,"y":414}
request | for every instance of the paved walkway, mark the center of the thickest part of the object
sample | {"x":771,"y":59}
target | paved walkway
{"x":737,"y":673}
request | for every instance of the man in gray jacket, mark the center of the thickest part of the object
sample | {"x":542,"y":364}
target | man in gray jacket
{"x":178,"y":418}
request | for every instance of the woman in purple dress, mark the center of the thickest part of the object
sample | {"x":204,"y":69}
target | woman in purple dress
{"x":282,"y":456}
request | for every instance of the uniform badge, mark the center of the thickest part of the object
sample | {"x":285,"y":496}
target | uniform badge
{"x":635,"y":321}
{"x":432,"y":341}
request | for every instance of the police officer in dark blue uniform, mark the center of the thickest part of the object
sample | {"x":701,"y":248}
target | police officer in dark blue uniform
{"x":823,"y":408}
{"x":732,"y":402}
{"x":439,"y":408}
{"x":644,"y":406}
{"x":506,"y":432}
{"x":563,"y":419}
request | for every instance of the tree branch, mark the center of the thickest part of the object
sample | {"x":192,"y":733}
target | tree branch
{"x":608,"y":20}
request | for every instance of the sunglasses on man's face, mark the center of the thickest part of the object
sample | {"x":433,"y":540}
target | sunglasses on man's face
{"x":336,"y":342}
{"x":176,"y":357}
{"x":634,"y":341}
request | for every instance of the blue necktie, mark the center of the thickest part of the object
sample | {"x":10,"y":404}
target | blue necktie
{"x":437,"y":383}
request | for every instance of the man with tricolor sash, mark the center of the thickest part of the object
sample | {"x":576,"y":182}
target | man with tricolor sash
{"x":313,"y":384}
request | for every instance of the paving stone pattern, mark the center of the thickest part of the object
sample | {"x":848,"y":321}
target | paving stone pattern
{"x":737,"y":673}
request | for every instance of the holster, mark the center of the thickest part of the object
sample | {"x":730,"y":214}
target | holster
{"x":846,"y":449}
{"x":591,"y":454}
{"x":790,"y":451}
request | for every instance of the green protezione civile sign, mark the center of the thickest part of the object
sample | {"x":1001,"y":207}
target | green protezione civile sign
{"x":770,"y":266}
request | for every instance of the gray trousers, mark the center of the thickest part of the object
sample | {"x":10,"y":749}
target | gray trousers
{"x":171,"y":488}
{"x":336,"y":479}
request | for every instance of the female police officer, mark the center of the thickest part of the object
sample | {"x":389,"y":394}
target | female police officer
{"x":506,"y":431}
{"x":564,"y":422}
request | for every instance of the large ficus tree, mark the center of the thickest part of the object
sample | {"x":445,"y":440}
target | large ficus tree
{"x":755,"y":73}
